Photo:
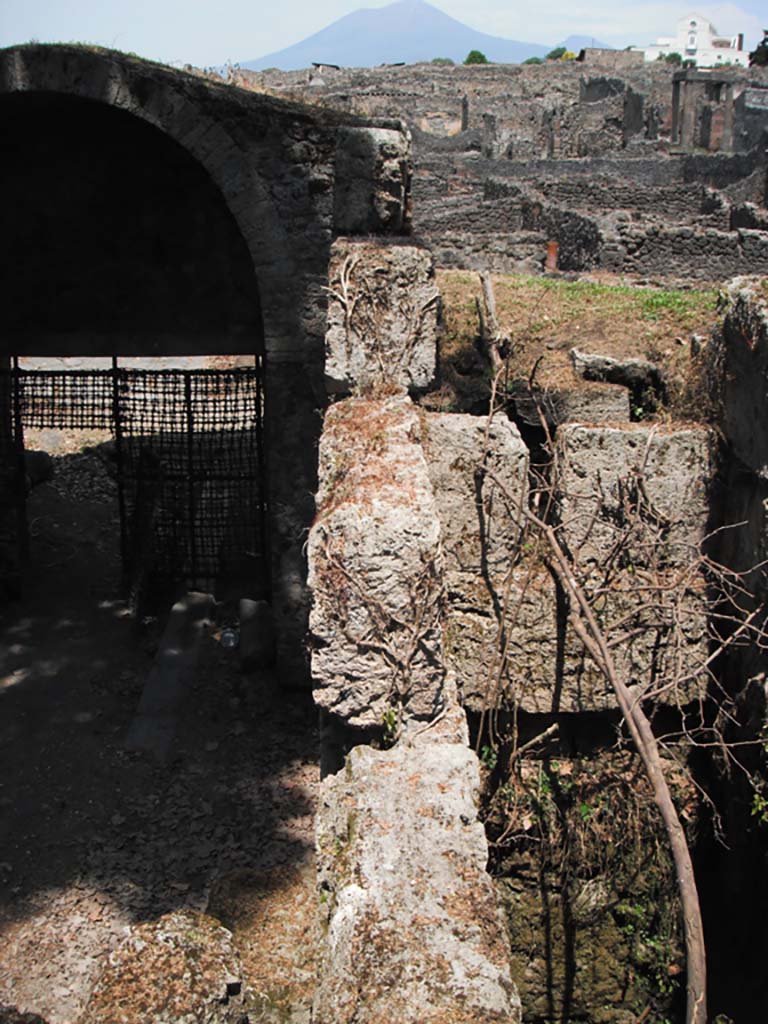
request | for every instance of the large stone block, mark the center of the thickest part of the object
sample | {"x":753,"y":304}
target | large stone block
{"x":413,"y":929}
{"x":526,"y":653}
{"x":375,"y":567}
{"x":383,"y":316}
{"x":480,"y":526}
{"x":633,"y":494}
{"x":589,"y":402}
{"x":740,"y":370}
{"x":480,"y":529}
{"x":507,"y":636}
{"x":372,"y":181}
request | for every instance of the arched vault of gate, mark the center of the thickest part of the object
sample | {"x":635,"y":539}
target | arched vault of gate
{"x":271,"y":162}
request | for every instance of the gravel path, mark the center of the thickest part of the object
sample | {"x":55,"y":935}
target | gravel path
{"x":94,"y":838}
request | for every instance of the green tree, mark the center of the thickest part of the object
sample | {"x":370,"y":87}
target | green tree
{"x":670,"y":58}
{"x":534,"y":60}
{"x":759,"y":56}
{"x":443,"y":62}
{"x":556,"y":54}
{"x":476,"y":57}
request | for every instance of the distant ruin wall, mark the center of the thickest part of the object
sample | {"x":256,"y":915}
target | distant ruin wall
{"x":584,"y":150}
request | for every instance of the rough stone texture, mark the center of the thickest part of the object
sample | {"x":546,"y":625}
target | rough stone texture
{"x":383,"y":317}
{"x":506,"y":636}
{"x":372,"y":171}
{"x":181,"y":969}
{"x":740,"y":371}
{"x":538,"y":664}
{"x":375,"y":567}
{"x":598,"y":467}
{"x":414,"y":932}
{"x":591,"y":402}
{"x":480,"y":531}
{"x":638,"y":375}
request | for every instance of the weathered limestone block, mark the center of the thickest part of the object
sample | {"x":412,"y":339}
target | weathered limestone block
{"x":480,"y":530}
{"x":383,"y":316}
{"x":180,"y":969}
{"x":590,"y":402}
{"x":372,"y":181}
{"x":375,"y":567}
{"x":740,"y":371}
{"x":604,"y":473}
{"x":639,"y":375}
{"x":414,"y":933}
{"x":537,"y":662}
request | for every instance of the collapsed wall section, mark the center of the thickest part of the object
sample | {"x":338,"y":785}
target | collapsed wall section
{"x":376,"y":568}
{"x":412,"y":927}
{"x":414,"y":932}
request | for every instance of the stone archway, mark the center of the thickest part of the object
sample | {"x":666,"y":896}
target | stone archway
{"x":291,"y":177}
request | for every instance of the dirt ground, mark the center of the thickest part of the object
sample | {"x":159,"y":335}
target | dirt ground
{"x":93,"y":837}
{"x":545,"y":317}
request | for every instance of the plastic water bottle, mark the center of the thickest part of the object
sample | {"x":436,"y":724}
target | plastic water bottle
{"x":229,"y":639}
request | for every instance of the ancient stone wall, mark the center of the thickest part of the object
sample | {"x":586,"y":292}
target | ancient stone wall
{"x":526,"y":111}
{"x":590,"y":139}
{"x":430,"y":595}
{"x":670,"y":218}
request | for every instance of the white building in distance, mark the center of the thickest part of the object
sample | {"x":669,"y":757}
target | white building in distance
{"x":697,"y":41}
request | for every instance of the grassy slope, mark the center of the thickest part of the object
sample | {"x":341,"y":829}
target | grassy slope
{"x":546,"y":317}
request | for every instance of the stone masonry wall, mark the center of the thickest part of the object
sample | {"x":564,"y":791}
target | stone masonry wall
{"x":472,"y":126}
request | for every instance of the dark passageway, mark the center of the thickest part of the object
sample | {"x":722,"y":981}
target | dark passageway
{"x":115,"y":240}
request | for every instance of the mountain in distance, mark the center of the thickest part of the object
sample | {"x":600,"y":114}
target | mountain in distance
{"x":407,"y":31}
{"x":576,"y":43}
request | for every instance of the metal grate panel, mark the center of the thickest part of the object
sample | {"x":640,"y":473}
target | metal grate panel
{"x":190,"y":463}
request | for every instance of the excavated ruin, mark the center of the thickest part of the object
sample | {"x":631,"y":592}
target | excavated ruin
{"x":486,"y":846}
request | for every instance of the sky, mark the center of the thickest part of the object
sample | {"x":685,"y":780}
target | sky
{"x":213,"y":32}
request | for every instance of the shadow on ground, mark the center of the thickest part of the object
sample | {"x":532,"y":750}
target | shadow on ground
{"x":93,"y":837}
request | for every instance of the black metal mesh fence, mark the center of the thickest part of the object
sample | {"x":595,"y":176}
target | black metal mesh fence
{"x":65,"y":399}
{"x":188,"y":447}
{"x":190,"y":451}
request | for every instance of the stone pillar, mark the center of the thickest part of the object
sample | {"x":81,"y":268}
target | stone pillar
{"x":292,"y":428}
{"x":677,"y":94}
{"x":726,"y":145}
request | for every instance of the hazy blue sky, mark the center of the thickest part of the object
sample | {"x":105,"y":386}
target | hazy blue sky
{"x":212,"y":32}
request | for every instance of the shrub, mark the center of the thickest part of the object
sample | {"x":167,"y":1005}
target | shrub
{"x":758,"y":58}
{"x":476,"y":57}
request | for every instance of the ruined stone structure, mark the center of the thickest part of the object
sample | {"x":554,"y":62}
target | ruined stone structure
{"x":608,"y":157}
{"x":428,"y":598}
{"x":185,"y":217}
{"x":431,"y":608}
